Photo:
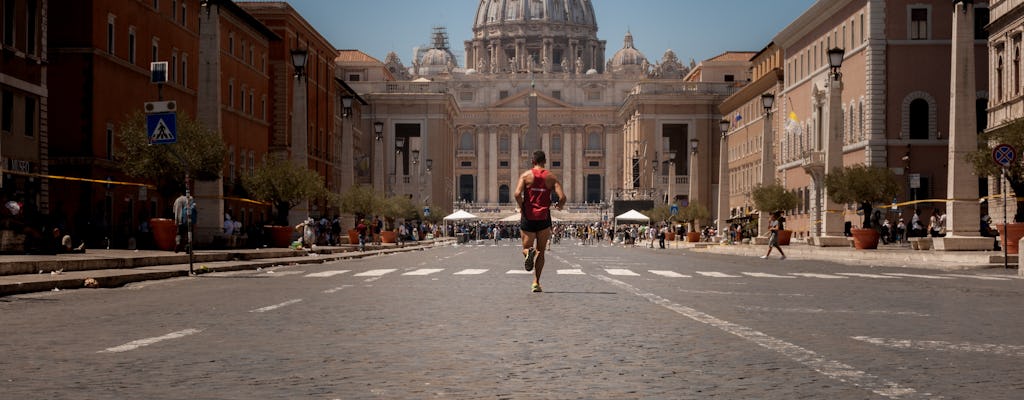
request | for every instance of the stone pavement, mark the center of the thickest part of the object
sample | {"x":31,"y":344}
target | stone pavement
{"x":113,"y":268}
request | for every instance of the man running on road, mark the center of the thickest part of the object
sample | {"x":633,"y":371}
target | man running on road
{"x":533,"y":194}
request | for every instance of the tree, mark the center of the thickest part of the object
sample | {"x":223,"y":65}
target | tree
{"x":198,"y":151}
{"x":661,"y":212}
{"x":360,"y":201}
{"x":692,"y":213}
{"x":395,"y":207}
{"x":284,"y":184}
{"x":773,"y":197}
{"x":863,"y":185}
{"x":1013,"y":135}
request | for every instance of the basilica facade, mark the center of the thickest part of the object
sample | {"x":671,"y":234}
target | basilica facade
{"x":537,"y":79}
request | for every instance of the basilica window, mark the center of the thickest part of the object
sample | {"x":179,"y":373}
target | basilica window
{"x":512,"y":10}
{"x":556,"y":143}
{"x":594,"y":141}
{"x":536,"y":9}
{"x":503,"y":144}
{"x":466,"y":141}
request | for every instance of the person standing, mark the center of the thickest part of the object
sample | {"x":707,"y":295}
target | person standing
{"x":533,"y":194}
{"x":184,"y":217}
{"x":361,"y":229}
{"x":773,"y":236}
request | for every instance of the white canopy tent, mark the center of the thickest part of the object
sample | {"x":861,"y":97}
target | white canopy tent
{"x":632,"y":215}
{"x":458,"y":216}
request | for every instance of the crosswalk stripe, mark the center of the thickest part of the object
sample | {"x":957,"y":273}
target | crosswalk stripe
{"x":470,"y":272}
{"x":571,"y":272}
{"x":822,"y":276}
{"x":717,"y":274}
{"x":668,"y":274}
{"x":519,"y":272}
{"x":376,"y":272}
{"x":424,"y":271}
{"x":284,"y":273}
{"x":919,"y":276}
{"x":326,"y":274}
{"x":620,"y":272}
{"x":872,"y":276}
{"x":766,"y":275}
{"x":984,"y":278}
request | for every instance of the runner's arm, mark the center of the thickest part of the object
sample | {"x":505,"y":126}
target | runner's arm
{"x":561,"y":195}
{"x":520,"y":187}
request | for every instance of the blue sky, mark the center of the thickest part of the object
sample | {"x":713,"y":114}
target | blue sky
{"x":697,"y":29}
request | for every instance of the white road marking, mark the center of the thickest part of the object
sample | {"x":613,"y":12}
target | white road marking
{"x":766,"y":275}
{"x":830,"y":368}
{"x":276,"y":306}
{"x":424,"y":271}
{"x":570,"y":272}
{"x":717,"y":274}
{"x":668,"y":274}
{"x":982,"y":277}
{"x":821,"y":276}
{"x":146,"y":342}
{"x":376,"y":272}
{"x":326,"y":274}
{"x":824,"y":311}
{"x":937,"y":345}
{"x":518,"y":272}
{"x":743,"y":293}
{"x":339,"y":288}
{"x":470,"y":272}
{"x":872,"y":276}
{"x":620,"y":272}
{"x":284,"y":273}
{"x":920,"y":276}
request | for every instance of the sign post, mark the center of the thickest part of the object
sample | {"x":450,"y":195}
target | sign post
{"x":1004,"y":155}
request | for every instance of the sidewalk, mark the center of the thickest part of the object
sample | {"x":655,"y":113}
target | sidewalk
{"x":113,"y":268}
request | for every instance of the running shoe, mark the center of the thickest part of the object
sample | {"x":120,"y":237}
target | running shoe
{"x":531,"y":254}
{"x":536,"y":288}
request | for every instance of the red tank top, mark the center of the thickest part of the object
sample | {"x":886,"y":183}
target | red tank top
{"x":537,"y":204}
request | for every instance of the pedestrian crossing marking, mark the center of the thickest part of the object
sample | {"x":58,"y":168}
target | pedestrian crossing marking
{"x":620,"y":272}
{"x":668,"y":274}
{"x":376,"y":272}
{"x":821,"y":276}
{"x":984,"y":278}
{"x":872,"y":276}
{"x":326,"y":274}
{"x":424,"y":271}
{"x":571,"y":272}
{"x":284,"y":273}
{"x":717,"y":274}
{"x":766,"y":275}
{"x":471,"y":272}
{"x":919,"y":276}
{"x":518,"y":272}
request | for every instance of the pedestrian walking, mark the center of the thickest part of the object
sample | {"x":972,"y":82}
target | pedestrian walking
{"x":533,"y":194}
{"x":361,"y":231}
{"x":185,"y":217}
{"x":773,"y":236}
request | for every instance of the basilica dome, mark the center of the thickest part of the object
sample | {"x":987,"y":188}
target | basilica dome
{"x":628,"y":55}
{"x":492,"y":12}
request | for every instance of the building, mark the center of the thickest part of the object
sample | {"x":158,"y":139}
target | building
{"x":1006,"y":100}
{"x":97,"y":48}
{"x":24,"y":105}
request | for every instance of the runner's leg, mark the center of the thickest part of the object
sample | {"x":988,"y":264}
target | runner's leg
{"x":542,"y":245}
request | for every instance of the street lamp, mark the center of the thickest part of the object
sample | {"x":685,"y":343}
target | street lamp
{"x":430,"y":165}
{"x":378,"y":130}
{"x":671,"y":176}
{"x":346,"y":107}
{"x":693,"y":145}
{"x":835,"y":61}
{"x":723,"y":177}
{"x":299,"y":61}
{"x":767,"y":101}
{"x":724,"y":126}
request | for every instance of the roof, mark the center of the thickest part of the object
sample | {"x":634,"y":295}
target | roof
{"x":733,"y":56}
{"x":355,"y":56}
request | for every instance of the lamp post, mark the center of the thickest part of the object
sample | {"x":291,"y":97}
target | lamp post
{"x":346,"y":107}
{"x":767,"y":157}
{"x":299,"y":138}
{"x":670,"y":197}
{"x":419,"y":180}
{"x":654,"y":174}
{"x":694,"y":194}
{"x":723,"y":178}
{"x":399,"y":147}
{"x":832,"y":229}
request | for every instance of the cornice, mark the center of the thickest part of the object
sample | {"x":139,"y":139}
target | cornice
{"x":808,"y":21}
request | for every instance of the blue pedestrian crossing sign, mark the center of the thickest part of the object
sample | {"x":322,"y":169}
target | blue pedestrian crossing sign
{"x":426,"y":211}
{"x":674,"y":209}
{"x":161,"y":128}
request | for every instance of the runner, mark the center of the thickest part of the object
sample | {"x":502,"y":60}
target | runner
{"x":533,"y":194}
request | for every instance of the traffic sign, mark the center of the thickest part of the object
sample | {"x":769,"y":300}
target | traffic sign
{"x":161,"y":128}
{"x":674,"y":209}
{"x":1004,"y":154}
{"x":426,"y":211}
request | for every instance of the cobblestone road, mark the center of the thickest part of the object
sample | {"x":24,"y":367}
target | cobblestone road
{"x":460,"y":322}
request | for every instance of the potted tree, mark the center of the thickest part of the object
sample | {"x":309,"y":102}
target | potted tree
{"x":774,"y":197}
{"x":394,"y":207}
{"x":360,"y":201}
{"x":283,"y":184}
{"x":865,"y":186}
{"x":691,"y":214}
{"x":662,"y":212}
{"x":1013,"y":135}
{"x":199,"y":152}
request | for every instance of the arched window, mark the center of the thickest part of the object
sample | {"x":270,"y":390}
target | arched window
{"x":466,"y":141}
{"x":556,"y":144}
{"x":918,"y":119}
{"x":594,"y":141}
{"x":503,"y":196}
{"x":503,"y":145}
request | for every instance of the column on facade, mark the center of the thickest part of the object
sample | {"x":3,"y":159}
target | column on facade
{"x":548,"y":53}
{"x":521,"y":54}
{"x":577,"y":175}
{"x":567,"y":151}
{"x":545,"y":142}
{"x":610,"y":147}
{"x":513,"y":164}
{"x":573,"y":48}
{"x":496,"y":56}
{"x":492,"y":170}
{"x":482,"y":161}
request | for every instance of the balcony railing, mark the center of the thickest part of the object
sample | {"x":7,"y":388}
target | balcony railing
{"x":593,"y":153}
{"x":465,"y":153}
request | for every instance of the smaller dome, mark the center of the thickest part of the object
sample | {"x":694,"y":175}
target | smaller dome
{"x":628,"y":55}
{"x":591,"y":71}
{"x":436,"y":57}
{"x":471,"y":71}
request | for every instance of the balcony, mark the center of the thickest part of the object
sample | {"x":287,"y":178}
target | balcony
{"x":593,"y":153}
{"x":814,"y":163}
{"x":461,"y":153}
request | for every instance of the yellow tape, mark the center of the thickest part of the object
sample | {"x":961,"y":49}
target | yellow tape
{"x":109,"y":182}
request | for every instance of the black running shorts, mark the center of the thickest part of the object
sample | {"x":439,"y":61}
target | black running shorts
{"x":527,"y":225}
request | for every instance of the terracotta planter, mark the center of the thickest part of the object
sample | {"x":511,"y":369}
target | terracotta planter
{"x":353,"y":236}
{"x":164,"y":230}
{"x":865,"y":238}
{"x":670,"y":236}
{"x":1016,"y":231}
{"x":280,"y":236}
{"x":784,"y":237}
{"x":388,"y":236}
{"x":693,"y":237}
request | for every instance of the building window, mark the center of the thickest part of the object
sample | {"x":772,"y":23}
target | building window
{"x":252,"y":55}
{"x":183,"y":13}
{"x":110,"y":34}
{"x":556,"y":164}
{"x":730,"y":78}
{"x":131,"y":44}
{"x":184,"y":70}
{"x":30,"y":116}
{"x":172,"y":74}
{"x":464,"y":96}
{"x":556,"y":94}
{"x":466,"y":164}
{"x":981,"y":20}
{"x":354,"y":77}
{"x":466,"y":141}
{"x":231,"y":162}
{"x":9,"y":23}
{"x":231,"y":43}
{"x":263,"y":107}
{"x":594,"y":141}
{"x":556,"y":144}
{"x":231,"y":93}
{"x":918,"y":23}
{"x":156,"y":5}
{"x":6,"y":111}
{"x":174,"y":10}
{"x":110,"y":141}
{"x":919,"y":119}
{"x":594,"y":163}
{"x":32,"y":23}
{"x":252,"y":101}
{"x":594,"y":95}
{"x":503,"y":164}
{"x":155,"y":49}
{"x":502,"y":94}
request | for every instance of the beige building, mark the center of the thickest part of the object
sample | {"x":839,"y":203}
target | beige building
{"x":1006,"y":103}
